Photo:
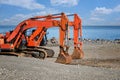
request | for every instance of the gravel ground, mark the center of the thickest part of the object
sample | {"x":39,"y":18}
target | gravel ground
{"x":25,"y":68}
{"x":13,"y":68}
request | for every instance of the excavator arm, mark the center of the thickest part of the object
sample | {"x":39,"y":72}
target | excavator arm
{"x":64,"y":56}
{"x":77,"y":53}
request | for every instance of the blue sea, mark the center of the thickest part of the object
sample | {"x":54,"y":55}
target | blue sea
{"x":89,"y":32}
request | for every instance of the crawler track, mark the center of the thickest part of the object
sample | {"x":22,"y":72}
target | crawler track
{"x":38,"y":52}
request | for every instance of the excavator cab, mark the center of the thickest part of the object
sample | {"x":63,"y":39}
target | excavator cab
{"x":31,"y":31}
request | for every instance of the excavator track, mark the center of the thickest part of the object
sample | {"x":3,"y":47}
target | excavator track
{"x":39,"y":52}
{"x":50,"y":52}
{"x":9,"y":53}
{"x":35,"y":52}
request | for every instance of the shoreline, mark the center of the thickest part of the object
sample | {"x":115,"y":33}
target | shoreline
{"x":85,"y":41}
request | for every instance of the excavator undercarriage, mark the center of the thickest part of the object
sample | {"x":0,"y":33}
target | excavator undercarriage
{"x":18,"y":43}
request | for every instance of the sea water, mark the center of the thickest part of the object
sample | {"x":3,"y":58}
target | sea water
{"x":92,"y":32}
{"x":89,"y":32}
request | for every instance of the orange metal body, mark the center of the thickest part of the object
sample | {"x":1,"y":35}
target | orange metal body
{"x":41,"y":23}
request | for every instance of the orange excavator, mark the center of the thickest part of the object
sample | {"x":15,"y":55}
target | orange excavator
{"x":20,"y":40}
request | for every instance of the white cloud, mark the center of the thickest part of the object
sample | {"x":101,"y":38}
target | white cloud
{"x":97,"y":15}
{"x":101,"y":11}
{"x":105,"y":11}
{"x":28,"y":4}
{"x":47,"y":11}
{"x":16,"y":19}
{"x":118,"y":19}
{"x":117,"y":8}
{"x":103,"y":16}
{"x":96,"y":19}
{"x":64,"y":2}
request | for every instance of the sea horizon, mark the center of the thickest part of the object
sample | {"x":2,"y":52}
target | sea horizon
{"x":89,"y":31}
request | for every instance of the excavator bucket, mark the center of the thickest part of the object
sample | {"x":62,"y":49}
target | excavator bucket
{"x":77,"y":53}
{"x":63,"y":57}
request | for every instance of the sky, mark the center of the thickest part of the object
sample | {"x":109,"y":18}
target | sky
{"x":92,"y":12}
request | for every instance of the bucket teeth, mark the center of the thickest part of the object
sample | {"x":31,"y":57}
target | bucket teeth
{"x":64,"y":58}
{"x":77,"y":53}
